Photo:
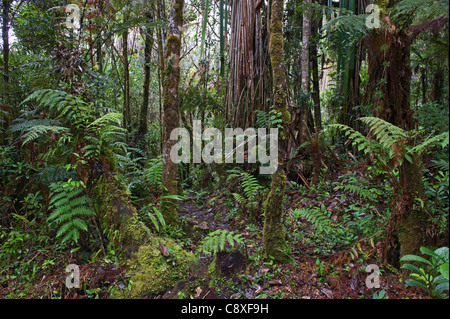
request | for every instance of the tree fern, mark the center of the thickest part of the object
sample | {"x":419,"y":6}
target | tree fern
{"x":392,"y":145}
{"x":216,"y":241}
{"x":423,"y":10}
{"x":70,"y":208}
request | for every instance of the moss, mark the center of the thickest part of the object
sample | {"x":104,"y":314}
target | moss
{"x":409,"y":235}
{"x":153,"y":273}
{"x":274,"y":233}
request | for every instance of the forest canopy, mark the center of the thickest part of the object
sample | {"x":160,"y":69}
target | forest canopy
{"x":224,"y":149}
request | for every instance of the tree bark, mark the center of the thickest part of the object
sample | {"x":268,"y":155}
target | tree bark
{"x":274,"y":234}
{"x":143,"y":119}
{"x":126,"y":82}
{"x":305,"y":112}
{"x":388,"y":91}
{"x":6,"y":6}
{"x":171,"y":104}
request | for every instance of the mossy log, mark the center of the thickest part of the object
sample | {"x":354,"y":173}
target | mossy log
{"x":151,"y":271}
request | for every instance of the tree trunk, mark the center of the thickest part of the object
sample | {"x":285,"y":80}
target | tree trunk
{"x":143,"y":119}
{"x":273,"y":233}
{"x":305,"y":112}
{"x":126,"y":82}
{"x":162,"y":68}
{"x":388,"y":90}
{"x":171,"y":104}
{"x":5,"y":36}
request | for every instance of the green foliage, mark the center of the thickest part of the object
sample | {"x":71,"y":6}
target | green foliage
{"x":358,"y":185}
{"x":437,"y":193}
{"x":392,"y":142}
{"x":423,"y":10}
{"x":216,"y":241}
{"x":331,"y":232}
{"x":65,"y":106}
{"x":431,"y":274}
{"x":153,"y":174}
{"x":250,"y":197}
{"x":262,"y":119}
{"x":70,"y":209}
{"x":105,"y":130}
{"x":152,"y":213}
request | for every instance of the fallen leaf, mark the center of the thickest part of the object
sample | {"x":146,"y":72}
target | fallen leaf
{"x":275,"y":283}
{"x":164,"y":250}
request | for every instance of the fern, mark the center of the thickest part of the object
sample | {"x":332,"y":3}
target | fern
{"x":70,"y":207}
{"x":423,"y":10}
{"x":216,"y":241}
{"x":262,"y":119}
{"x":66,"y":106}
{"x":105,"y":130}
{"x":317,"y":217}
{"x":43,"y":130}
{"x":153,"y":174}
{"x":250,"y":186}
{"x":360,"y":191}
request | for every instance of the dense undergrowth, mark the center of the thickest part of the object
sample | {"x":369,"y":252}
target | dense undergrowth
{"x":82,"y":145}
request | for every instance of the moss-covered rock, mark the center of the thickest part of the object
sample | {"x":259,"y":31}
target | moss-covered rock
{"x":154,"y":273}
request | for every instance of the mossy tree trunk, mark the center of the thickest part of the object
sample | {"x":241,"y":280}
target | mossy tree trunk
{"x":274,"y":233}
{"x":389,"y":91}
{"x":171,"y":104}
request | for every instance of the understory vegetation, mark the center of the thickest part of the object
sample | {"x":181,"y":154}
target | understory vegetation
{"x":90,"y":92}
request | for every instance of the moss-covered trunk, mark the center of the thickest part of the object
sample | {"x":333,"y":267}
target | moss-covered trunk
{"x":274,"y":234}
{"x":171,"y":103}
{"x":388,"y":91}
{"x":155,"y":263}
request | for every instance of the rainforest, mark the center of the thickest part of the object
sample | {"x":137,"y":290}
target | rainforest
{"x":224,"y":150}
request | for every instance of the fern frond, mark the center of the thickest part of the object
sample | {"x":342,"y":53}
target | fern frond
{"x":39,"y":130}
{"x":69,"y":207}
{"x":216,"y":241}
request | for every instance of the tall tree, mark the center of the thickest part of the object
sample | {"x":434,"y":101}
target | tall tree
{"x":305,"y":112}
{"x":126,"y":75}
{"x":171,"y":102}
{"x":274,"y":238}
{"x":6,"y":8}
{"x":143,"y":118}
{"x":389,"y":91}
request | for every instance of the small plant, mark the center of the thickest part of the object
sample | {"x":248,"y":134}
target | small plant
{"x":431,"y":275}
{"x":70,"y":208}
{"x":216,"y":241}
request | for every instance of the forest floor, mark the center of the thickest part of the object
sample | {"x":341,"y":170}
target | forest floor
{"x":338,"y":274}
